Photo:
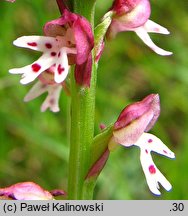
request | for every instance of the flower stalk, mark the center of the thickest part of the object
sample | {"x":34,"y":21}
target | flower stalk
{"x":82,"y":122}
{"x":81,"y":135}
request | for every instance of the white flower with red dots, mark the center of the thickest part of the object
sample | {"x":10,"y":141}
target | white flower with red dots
{"x":52,"y":99}
{"x":55,"y":54}
{"x":147,"y":143}
{"x":47,"y":84}
{"x":130,"y":130}
{"x":67,"y":41}
{"x":133,"y":15}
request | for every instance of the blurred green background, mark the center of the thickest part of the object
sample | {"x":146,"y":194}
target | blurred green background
{"x":34,"y":145}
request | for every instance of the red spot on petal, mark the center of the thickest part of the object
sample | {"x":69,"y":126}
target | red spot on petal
{"x":53,"y":53}
{"x":165,"y":152}
{"x":152,"y":169}
{"x":60,"y":69}
{"x":146,"y":151}
{"x":52,"y":101}
{"x":156,"y":29}
{"x":150,"y":141}
{"x":48,"y":45}
{"x":36,"y":67}
{"x":33,"y":44}
{"x":59,"y":54}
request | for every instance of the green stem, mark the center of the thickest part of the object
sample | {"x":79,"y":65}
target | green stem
{"x":81,"y":136}
{"x":82,"y":121}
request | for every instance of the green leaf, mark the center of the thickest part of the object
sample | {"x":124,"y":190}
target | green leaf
{"x":100,"y":152}
{"x":100,"y":31}
{"x":99,"y":156}
{"x":100,"y":143}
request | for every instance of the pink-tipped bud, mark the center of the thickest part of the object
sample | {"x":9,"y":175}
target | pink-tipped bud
{"x":128,"y":14}
{"x":136,"y":119}
{"x":124,"y":6}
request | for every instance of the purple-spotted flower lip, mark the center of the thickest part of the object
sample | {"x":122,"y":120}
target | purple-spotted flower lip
{"x":28,"y":191}
{"x":55,"y":53}
{"x":130,"y":130}
{"x":149,"y":143}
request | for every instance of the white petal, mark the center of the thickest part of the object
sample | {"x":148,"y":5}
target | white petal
{"x":153,"y":175}
{"x":30,"y":72}
{"x":62,"y":67}
{"x":152,"y":143}
{"x":143,"y":35}
{"x":39,"y":43}
{"x":38,"y":89}
{"x":52,"y":100}
{"x":153,"y":27}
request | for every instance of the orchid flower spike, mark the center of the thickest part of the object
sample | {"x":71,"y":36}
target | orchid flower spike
{"x":68,"y":40}
{"x":133,"y":15}
{"x":28,"y":191}
{"x":131,"y":129}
